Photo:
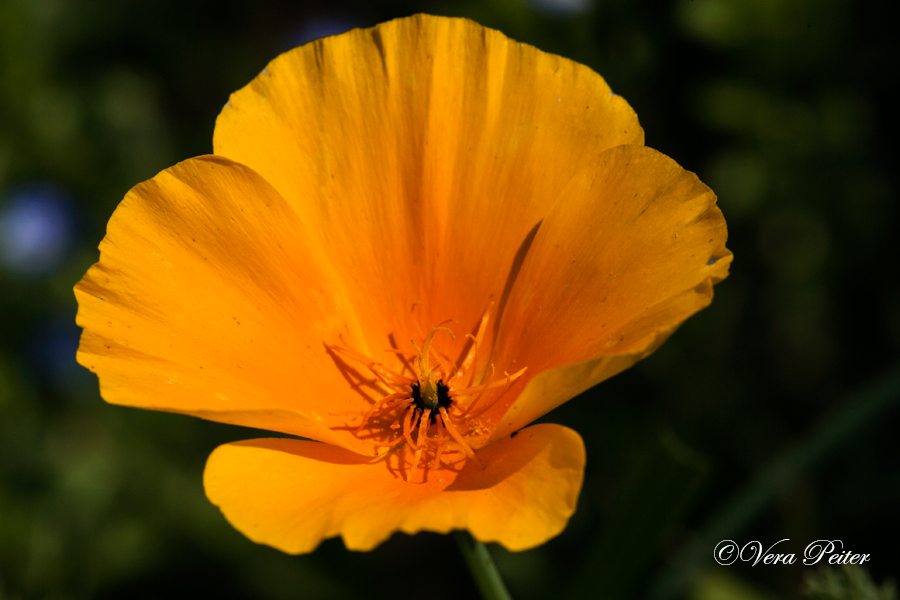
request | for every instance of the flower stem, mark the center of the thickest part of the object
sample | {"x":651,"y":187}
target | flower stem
{"x":484,"y":572}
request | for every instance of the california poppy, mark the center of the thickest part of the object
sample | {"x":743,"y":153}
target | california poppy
{"x":411,"y":241}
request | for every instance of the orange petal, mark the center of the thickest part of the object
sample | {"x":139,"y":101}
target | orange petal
{"x":630,"y":252}
{"x":208,"y":300}
{"x":422,"y":152}
{"x":292,"y":494}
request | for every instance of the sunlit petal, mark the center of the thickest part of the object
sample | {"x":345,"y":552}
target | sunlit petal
{"x":292,"y":494}
{"x":208,"y":300}
{"x":446,"y":138}
{"x":629,"y":253}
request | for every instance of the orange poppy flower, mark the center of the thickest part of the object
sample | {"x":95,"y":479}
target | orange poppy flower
{"x":411,"y":242}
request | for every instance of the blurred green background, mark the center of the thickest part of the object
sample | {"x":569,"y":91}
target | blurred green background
{"x":770,"y":415}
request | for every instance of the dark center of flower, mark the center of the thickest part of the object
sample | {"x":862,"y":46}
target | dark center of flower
{"x":415,"y":403}
{"x":442,"y":400}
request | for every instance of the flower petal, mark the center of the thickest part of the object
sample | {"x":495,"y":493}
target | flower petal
{"x":208,"y":300}
{"x":418,"y":148}
{"x":630,"y":252}
{"x":292,"y":494}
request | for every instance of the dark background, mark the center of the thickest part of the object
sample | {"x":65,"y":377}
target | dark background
{"x":770,"y":415}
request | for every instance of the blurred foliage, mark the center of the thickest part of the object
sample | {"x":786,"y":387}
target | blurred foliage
{"x":785,"y":107}
{"x":848,"y":582}
{"x":719,"y":585}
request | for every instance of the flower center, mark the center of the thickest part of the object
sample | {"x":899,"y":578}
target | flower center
{"x":441,"y":400}
{"x":437,"y":411}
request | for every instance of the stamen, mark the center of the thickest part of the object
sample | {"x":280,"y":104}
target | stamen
{"x":459,"y":439}
{"x":479,"y":396}
{"x":390,"y":444}
{"x":509,"y":382}
{"x":433,"y":393}
{"x":490,"y":386}
{"x":407,"y":426}
{"x":469,"y":361}
{"x":440,"y":444}
{"x":386,"y":375}
{"x":426,"y":348}
{"x":420,"y":442}
{"x":390,"y":398}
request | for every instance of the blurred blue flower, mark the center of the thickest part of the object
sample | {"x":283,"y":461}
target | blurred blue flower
{"x":562,"y":7}
{"x":37,"y":230}
{"x":319,"y":27}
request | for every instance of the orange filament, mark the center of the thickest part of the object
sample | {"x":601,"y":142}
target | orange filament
{"x":390,"y":399}
{"x":459,"y":439}
{"x":469,"y":361}
{"x":379,"y":370}
{"x":390,"y":444}
{"x":472,"y":404}
{"x":429,"y":393}
{"x":481,"y":389}
{"x":407,"y":426}
{"x":424,"y":421}
{"x":440,"y":444}
{"x":491,"y":386}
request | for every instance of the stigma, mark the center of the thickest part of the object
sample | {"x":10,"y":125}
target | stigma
{"x":431,"y":413}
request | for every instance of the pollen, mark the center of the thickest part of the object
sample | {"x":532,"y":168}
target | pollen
{"x":431,"y":415}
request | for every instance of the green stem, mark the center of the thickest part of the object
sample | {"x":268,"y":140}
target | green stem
{"x":485,"y":573}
